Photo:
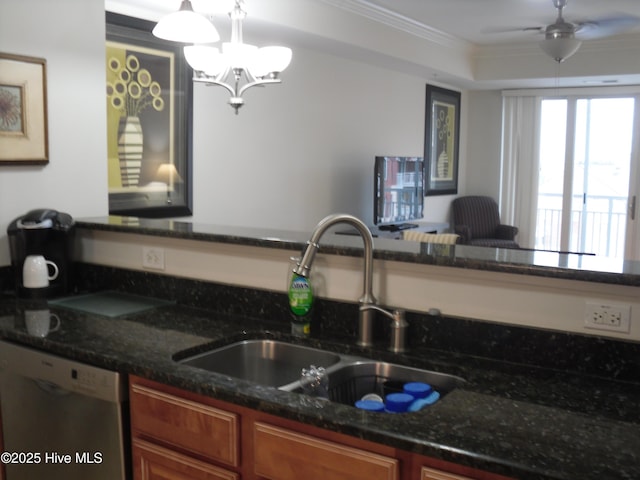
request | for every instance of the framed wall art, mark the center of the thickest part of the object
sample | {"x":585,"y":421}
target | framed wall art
{"x":23,"y":110}
{"x":442,"y":140}
{"x":149,"y":131}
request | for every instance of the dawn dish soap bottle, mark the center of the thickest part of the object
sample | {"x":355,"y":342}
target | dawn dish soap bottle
{"x":300,"y":303}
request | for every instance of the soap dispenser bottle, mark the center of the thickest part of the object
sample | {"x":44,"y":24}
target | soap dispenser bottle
{"x":300,"y":295}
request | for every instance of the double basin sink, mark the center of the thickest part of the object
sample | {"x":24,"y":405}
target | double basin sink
{"x":279,"y":364}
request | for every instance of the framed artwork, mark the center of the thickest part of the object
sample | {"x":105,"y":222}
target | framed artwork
{"x":442,"y":140}
{"x":23,"y":110}
{"x":149,"y":132}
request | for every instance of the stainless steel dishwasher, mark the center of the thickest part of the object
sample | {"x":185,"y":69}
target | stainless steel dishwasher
{"x":61,"y":419}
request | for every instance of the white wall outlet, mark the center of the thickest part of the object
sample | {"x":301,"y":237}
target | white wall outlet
{"x":615,"y":318}
{"x":153,"y":258}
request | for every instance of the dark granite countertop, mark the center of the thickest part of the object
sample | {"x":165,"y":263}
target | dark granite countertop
{"x":588,"y":268}
{"x":524,"y":422}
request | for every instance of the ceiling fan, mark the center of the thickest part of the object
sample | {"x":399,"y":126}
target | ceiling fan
{"x":562,"y":38}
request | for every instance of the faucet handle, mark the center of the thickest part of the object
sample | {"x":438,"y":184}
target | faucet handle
{"x":398,"y":332}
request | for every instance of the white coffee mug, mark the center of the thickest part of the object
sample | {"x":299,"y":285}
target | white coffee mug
{"x":38,"y":322}
{"x":35,"y":271}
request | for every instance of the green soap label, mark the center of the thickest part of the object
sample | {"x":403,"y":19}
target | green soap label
{"x":300,"y":295}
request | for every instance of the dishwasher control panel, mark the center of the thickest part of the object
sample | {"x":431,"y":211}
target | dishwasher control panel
{"x":90,"y":380}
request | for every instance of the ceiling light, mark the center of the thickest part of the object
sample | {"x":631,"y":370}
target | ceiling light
{"x":236,"y":66}
{"x":560,"y":46}
{"x":186,"y":26}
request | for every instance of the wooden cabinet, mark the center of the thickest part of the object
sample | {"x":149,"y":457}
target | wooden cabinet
{"x":282,"y":454}
{"x":432,"y":474}
{"x":431,"y":469}
{"x":179,"y":435}
{"x":152,"y":462}
{"x":188,"y":425}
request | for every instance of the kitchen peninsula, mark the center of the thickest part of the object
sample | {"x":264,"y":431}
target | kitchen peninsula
{"x":532,"y":288}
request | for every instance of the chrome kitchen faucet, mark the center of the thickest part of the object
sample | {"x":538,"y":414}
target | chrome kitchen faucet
{"x":367,"y":301}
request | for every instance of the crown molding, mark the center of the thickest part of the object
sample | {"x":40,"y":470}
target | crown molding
{"x":620,"y":45}
{"x":392,"y":19}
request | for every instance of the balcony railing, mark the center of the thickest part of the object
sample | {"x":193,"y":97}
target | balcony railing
{"x":597,"y":228}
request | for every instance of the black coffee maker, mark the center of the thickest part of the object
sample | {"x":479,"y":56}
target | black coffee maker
{"x":48,"y":233}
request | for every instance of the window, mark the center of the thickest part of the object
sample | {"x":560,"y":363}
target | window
{"x":583,"y":155}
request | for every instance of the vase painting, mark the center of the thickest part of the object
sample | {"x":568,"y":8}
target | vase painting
{"x":130,"y":149}
{"x":443,"y":165}
{"x":131,"y":90}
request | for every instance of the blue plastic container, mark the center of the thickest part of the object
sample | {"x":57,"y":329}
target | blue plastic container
{"x":420,"y":403}
{"x":398,"y":402}
{"x":418,"y":389}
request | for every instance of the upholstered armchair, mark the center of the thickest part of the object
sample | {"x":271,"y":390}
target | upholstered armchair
{"x":477,"y":220}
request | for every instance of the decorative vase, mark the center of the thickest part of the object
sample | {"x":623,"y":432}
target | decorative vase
{"x":130,"y":150}
{"x":443,"y":165}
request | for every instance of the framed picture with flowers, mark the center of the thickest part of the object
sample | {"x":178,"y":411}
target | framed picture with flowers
{"x":442,"y":140}
{"x":149,"y":133}
{"x":23,"y":110}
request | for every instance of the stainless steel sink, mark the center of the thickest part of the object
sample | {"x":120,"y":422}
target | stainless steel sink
{"x":354,"y":380}
{"x":279,"y":364}
{"x":267,"y":362}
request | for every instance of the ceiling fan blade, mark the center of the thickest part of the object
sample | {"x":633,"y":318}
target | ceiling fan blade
{"x":606,"y":27}
{"x":513,"y":29}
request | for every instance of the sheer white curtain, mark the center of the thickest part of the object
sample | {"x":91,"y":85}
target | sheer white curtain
{"x":519,"y":168}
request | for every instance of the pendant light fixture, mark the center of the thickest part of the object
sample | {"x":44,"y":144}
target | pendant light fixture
{"x":237,"y":66}
{"x":186,"y":26}
{"x":559,"y":44}
{"x":560,"y":40}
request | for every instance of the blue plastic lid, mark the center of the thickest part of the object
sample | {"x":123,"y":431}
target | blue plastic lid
{"x":370,"y":405}
{"x":420,"y":403}
{"x":398,"y":402}
{"x":417,"y":389}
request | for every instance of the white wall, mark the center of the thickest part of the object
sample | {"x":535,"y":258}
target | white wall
{"x":305,"y":148}
{"x":295,"y":153}
{"x":484,"y":143}
{"x":69,"y":34}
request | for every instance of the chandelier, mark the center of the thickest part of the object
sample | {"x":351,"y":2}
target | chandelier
{"x":237,"y":66}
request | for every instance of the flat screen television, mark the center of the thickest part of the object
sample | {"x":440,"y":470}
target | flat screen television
{"x":398,"y":190}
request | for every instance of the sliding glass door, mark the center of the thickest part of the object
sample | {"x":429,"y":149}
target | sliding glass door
{"x":586,"y":156}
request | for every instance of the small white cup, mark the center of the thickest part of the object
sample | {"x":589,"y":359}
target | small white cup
{"x":38,"y":322}
{"x":35,"y":271}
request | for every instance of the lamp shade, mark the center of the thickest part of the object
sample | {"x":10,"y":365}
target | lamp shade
{"x":270,"y":60}
{"x":560,"y":48}
{"x":167,"y":173}
{"x":205,"y":59}
{"x":186,"y":26}
{"x":238,"y":55}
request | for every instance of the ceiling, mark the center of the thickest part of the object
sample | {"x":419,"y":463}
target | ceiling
{"x":478,"y":54}
{"x":473,"y":20}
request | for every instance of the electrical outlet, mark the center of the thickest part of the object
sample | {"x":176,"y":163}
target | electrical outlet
{"x":615,"y":318}
{"x":153,"y":258}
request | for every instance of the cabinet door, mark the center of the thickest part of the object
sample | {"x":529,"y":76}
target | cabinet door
{"x":151,"y":462}
{"x":282,"y":454}
{"x":190,"y":426}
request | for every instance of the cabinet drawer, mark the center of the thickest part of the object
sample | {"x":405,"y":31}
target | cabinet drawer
{"x":282,"y":454}
{"x":191,"y":426}
{"x":431,"y":474}
{"x":151,"y":462}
